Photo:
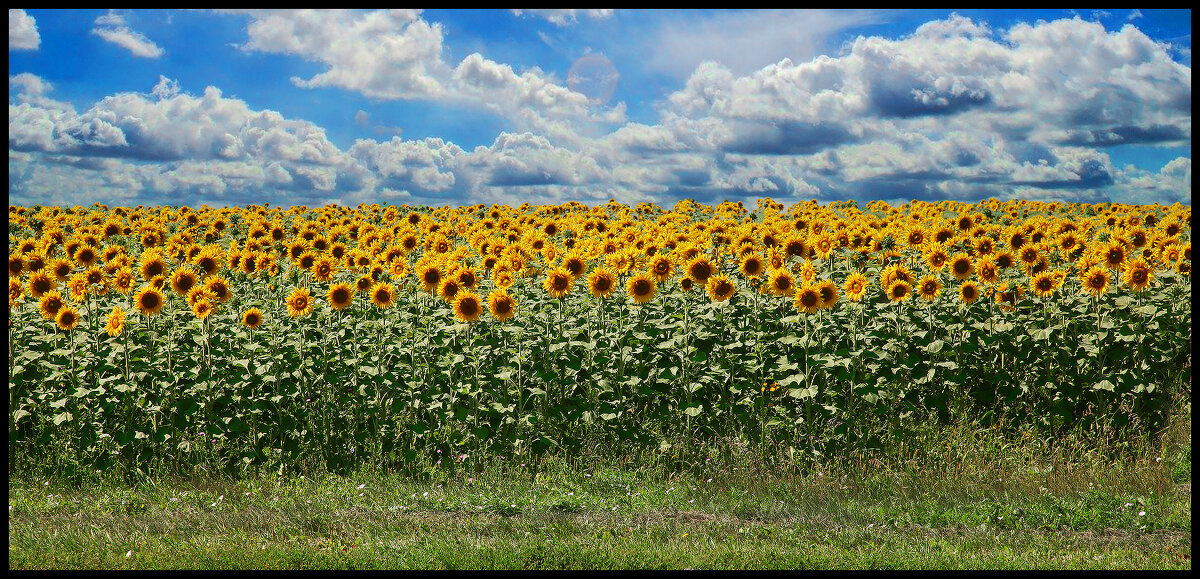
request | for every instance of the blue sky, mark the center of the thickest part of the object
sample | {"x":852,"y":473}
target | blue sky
{"x":438,"y":107}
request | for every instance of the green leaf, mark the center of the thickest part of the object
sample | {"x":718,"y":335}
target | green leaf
{"x":802,"y":393}
{"x":62,"y":417}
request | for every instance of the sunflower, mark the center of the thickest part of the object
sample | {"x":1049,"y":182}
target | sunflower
{"x":307,"y":260}
{"x":929,"y":287}
{"x":67,"y":318}
{"x":208,"y":261}
{"x":61,"y":268}
{"x":502,"y":306}
{"x":149,"y":300}
{"x":364,"y":283}
{"x":916,"y":236}
{"x":936,"y":259}
{"x":116,"y":322}
{"x":781,"y":282}
{"x":968,"y":292}
{"x":1007,"y":300}
{"x":899,"y":291}
{"x":986,"y":270}
{"x":15,"y":291}
{"x":1183,"y":267}
{"x":86,"y":256}
{"x":1114,"y":254}
{"x":382,"y":295}
{"x":50,"y":304}
{"x":574,"y":264}
{"x":219,"y":287}
{"x":828,"y":292}
{"x":1138,"y":275}
{"x":16,"y":264}
{"x":602,"y":283}
{"x":700,"y":269}
{"x":751,"y":266}
{"x":431,"y":277}
{"x":299,"y":302}
{"x":641,"y":288}
{"x":202,"y":309}
{"x":855,"y":286}
{"x":123,"y":280}
{"x":1068,"y":245}
{"x":324,"y":267}
{"x":720,"y":288}
{"x":252,"y":318}
{"x":1095,"y":280}
{"x":39,"y":284}
{"x":661,"y":268}
{"x":152,"y":265}
{"x":340,"y":295}
{"x":558,"y":283}
{"x":503,"y":279}
{"x":199,"y":293}
{"x":182,"y":281}
{"x":1004,"y":259}
{"x":467,"y":307}
{"x":686,"y":284}
{"x":1029,"y":255}
{"x":78,"y":286}
{"x":1044,"y":284}
{"x":893,"y":273}
{"x":449,"y":289}
{"x":807,"y":272}
{"x":961,"y":266}
{"x":795,"y":247}
{"x":984,"y":246}
{"x":807,"y":299}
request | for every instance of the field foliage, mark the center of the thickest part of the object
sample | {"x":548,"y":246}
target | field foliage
{"x":169,"y":337}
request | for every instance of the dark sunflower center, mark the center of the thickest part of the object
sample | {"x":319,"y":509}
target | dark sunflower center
{"x":809,"y":299}
{"x":641,"y":287}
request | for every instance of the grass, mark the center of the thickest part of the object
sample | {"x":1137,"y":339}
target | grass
{"x":956,"y":498}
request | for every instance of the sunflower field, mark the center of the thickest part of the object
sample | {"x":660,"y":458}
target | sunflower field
{"x":162,"y":337}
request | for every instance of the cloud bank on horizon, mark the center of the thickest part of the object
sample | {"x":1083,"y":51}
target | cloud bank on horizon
{"x":843,"y":105}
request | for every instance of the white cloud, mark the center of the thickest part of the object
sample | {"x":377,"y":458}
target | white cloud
{"x":745,"y":41}
{"x":29,"y":84}
{"x":113,"y":28}
{"x":956,"y":110}
{"x":384,"y":54}
{"x":564,"y":16}
{"x":397,"y":55}
{"x":22,"y":31}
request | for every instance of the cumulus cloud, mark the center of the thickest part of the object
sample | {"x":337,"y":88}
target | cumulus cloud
{"x":564,"y":16}
{"x":113,"y":28}
{"x":395,"y":54}
{"x":745,"y":41}
{"x":22,"y":31}
{"x":384,"y":54}
{"x":955,"y":110}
